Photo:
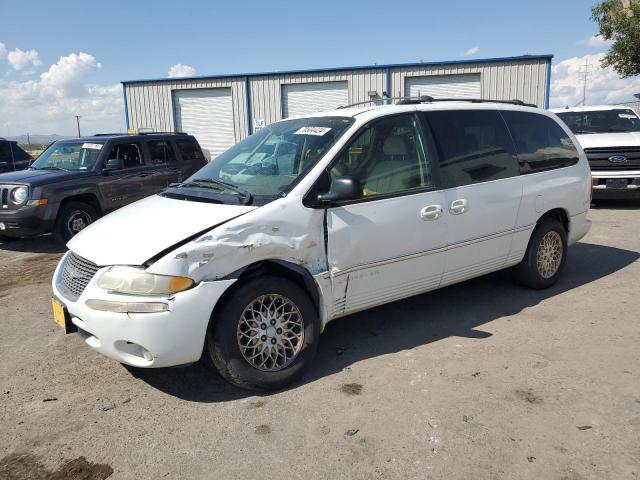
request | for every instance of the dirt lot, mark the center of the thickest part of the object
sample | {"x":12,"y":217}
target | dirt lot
{"x":480,"y":380}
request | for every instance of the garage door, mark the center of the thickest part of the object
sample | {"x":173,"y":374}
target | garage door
{"x":444,"y":86}
{"x":305,"y":98}
{"x":207,"y":114}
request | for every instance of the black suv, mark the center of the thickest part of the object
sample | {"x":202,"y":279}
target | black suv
{"x":76,"y":181}
{"x":12,"y":157}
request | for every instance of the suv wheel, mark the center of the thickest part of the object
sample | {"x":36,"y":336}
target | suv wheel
{"x":72,"y":218}
{"x":265,"y":335}
{"x":545,"y":256}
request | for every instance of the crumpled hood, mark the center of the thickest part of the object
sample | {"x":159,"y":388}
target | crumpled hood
{"x":600,"y":140}
{"x":137,"y":232}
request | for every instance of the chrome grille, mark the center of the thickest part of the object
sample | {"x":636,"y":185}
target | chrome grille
{"x":599,"y":158}
{"x":75,"y":275}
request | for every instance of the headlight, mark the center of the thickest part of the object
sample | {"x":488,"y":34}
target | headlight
{"x":135,"y":281}
{"x":19,"y":195}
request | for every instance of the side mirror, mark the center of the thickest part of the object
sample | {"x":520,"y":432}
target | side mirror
{"x":342,"y":189}
{"x":113,"y":164}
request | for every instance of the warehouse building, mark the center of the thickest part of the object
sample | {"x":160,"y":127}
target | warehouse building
{"x":221,"y":110}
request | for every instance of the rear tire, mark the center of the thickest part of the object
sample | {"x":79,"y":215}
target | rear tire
{"x":545,"y":257}
{"x":265,"y":335}
{"x":72,"y":218}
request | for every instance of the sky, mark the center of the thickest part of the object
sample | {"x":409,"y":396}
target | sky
{"x":68,"y":57}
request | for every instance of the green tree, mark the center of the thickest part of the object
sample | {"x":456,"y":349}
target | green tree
{"x":619,"y":21}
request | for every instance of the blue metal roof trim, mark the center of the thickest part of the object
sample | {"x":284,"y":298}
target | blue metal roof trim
{"x":338,"y":69}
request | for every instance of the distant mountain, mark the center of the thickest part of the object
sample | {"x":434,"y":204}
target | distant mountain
{"x":37,"y":139}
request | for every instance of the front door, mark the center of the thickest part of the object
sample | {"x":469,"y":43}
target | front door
{"x":480,"y":172}
{"x":130,"y":183}
{"x":391,"y":243}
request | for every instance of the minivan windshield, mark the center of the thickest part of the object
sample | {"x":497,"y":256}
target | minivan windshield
{"x":271,"y":161}
{"x":601,"y":121}
{"x":69,"y":155}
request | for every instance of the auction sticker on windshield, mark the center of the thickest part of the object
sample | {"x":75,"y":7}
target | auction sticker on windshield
{"x":92,"y":146}
{"x":318,"y":131}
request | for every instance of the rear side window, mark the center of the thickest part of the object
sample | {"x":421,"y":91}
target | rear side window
{"x":473,"y":146}
{"x":540,"y":142}
{"x":161,"y":152}
{"x":189,"y":150}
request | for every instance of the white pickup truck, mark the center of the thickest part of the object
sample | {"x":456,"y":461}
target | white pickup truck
{"x":610,"y":137}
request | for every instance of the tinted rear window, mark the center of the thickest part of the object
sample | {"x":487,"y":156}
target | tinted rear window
{"x":18,"y":153}
{"x":473,"y":146}
{"x":540,"y":142}
{"x":189,"y":150}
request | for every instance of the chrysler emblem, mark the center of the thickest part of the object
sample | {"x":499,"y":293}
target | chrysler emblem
{"x":617,"y":159}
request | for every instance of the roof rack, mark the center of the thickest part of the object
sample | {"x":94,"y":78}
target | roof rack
{"x":429,"y":99}
{"x":139,"y":133}
{"x":162,"y":133}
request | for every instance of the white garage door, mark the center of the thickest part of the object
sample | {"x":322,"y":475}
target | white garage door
{"x":207,"y":114}
{"x":305,"y":98}
{"x":444,"y":86}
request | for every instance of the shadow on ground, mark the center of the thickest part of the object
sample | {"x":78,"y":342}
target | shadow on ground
{"x":41,"y":244}
{"x":458,"y":310}
{"x":627,"y":204}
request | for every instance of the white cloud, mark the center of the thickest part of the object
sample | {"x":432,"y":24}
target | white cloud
{"x":472,"y":51}
{"x":47,"y":104}
{"x":596,"y":41}
{"x":604,"y":85}
{"x":3,"y":51}
{"x":19,"y":59}
{"x":180,"y":70}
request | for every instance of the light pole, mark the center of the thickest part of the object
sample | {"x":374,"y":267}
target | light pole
{"x":78,"y":117}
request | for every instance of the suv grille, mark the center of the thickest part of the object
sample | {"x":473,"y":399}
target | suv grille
{"x":75,"y":275}
{"x":4,"y":195}
{"x":599,"y":158}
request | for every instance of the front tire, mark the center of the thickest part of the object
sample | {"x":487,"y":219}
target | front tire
{"x":265,"y":335}
{"x":545,"y":257}
{"x":72,"y":218}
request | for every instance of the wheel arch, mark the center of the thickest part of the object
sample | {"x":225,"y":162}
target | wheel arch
{"x":88,"y":198}
{"x":559,"y":214}
{"x":280,"y":268}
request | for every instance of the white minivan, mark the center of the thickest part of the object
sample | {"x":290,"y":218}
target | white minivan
{"x":315,"y":218}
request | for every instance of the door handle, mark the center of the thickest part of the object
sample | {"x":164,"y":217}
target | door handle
{"x":432,"y":212}
{"x":458,"y":206}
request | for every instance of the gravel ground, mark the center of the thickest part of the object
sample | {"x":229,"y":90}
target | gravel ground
{"x":481,"y":380}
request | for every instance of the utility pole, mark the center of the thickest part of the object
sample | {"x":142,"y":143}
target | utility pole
{"x":78,"y":117}
{"x":585,"y":76}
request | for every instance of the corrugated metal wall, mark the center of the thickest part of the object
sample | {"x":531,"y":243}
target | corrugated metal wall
{"x":150,"y":104}
{"x":266,"y":91}
{"x":522,"y":80}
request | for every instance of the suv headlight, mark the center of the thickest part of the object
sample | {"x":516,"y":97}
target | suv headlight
{"x":135,"y":281}
{"x":19,"y":195}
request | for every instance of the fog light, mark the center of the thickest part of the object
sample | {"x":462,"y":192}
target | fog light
{"x":127,"y":307}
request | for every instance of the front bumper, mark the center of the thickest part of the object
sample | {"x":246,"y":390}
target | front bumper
{"x":26,"y":221}
{"x":628,"y":184}
{"x":148,"y":340}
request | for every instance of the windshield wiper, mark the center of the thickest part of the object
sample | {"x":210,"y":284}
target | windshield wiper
{"x":582,"y":132}
{"x":50,"y":168}
{"x":248,"y":196}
